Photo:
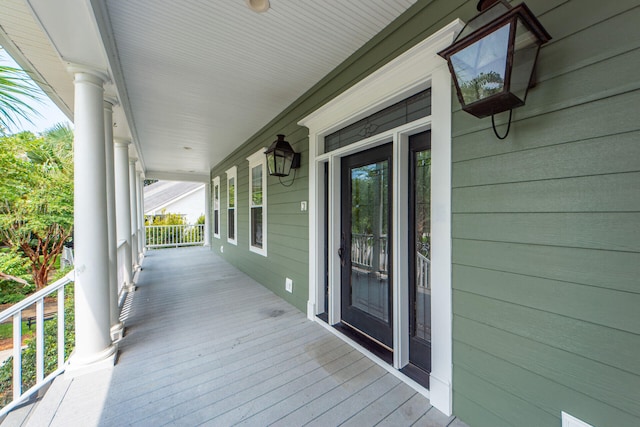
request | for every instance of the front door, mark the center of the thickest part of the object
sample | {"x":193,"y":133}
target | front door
{"x":420,"y":250}
{"x":365,"y":247}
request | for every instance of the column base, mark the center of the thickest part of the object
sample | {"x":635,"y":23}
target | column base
{"x":103,"y":360}
{"x":117,"y":331}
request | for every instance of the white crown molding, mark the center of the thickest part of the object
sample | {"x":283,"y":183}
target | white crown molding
{"x":410,"y":70}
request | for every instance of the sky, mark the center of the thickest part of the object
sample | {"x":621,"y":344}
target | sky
{"x":50,"y":114}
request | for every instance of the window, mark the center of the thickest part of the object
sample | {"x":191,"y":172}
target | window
{"x":257,"y":203}
{"x":216,"y":207}
{"x":232,"y":214}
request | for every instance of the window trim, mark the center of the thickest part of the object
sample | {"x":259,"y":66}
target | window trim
{"x":258,"y":159}
{"x":232,"y":173}
{"x":216,"y":194}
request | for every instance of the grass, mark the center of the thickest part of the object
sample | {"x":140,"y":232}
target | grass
{"x":6,"y":330}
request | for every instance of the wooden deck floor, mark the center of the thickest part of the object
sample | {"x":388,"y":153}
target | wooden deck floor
{"x":207,"y":345}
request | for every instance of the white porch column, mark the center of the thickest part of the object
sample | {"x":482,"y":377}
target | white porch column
{"x":123,"y":206}
{"x":116,"y":324}
{"x":140,"y":200}
{"x":94,"y":348}
{"x":133,"y":213}
{"x":207,"y":214}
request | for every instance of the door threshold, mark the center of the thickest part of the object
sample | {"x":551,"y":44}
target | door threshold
{"x":417,"y":374}
{"x":385,"y":364}
{"x":365,"y":341}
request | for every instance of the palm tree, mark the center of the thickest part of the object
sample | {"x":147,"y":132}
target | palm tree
{"x":16,"y":88}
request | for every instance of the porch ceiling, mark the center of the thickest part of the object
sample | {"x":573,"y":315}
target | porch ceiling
{"x":208,"y":75}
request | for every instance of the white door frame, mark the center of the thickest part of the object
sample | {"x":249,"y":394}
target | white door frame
{"x":417,"y":69}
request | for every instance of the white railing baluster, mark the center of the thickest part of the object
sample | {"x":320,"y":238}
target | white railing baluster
{"x":60,"y":327}
{"x":17,"y":355}
{"x":39,"y":340}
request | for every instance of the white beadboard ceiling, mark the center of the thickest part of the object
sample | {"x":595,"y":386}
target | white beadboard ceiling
{"x":209,"y":74}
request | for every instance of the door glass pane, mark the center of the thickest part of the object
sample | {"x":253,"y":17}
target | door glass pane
{"x":422,"y":229}
{"x":369,"y":239}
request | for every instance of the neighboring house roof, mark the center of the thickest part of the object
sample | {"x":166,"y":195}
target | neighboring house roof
{"x":162,"y":193}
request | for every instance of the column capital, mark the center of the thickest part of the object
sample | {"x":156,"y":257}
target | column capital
{"x":121,"y":142}
{"x":84,"y":72}
{"x":110,"y":102}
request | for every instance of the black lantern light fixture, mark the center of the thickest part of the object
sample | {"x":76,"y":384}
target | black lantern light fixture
{"x":281,"y":158}
{"x":493,"y":58}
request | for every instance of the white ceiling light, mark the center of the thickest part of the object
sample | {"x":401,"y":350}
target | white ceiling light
{"x":259,"y":6}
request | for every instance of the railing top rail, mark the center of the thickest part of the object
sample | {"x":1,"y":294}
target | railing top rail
{"x":9,"y":312}
{"x":172,"y":225}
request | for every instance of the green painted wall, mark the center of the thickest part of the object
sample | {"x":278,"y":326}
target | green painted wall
{"x":546,"y":234}
{"x":287,"y":226}
{"x":546,"y":224}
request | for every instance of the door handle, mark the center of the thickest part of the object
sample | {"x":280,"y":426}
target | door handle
{"x":341,"y":251}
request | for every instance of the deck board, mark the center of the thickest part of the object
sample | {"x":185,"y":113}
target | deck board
{"x":207,"y":345}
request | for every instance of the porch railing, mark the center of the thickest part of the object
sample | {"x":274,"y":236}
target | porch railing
{"x":423,"y":265}
{"x":16,"y":313}
{"x":364,"y":253}
{"x":165,"y":236}
{"x":370,"y":252}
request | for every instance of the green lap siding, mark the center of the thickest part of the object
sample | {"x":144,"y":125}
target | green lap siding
{"x":545,"y":224}
{"x":546,"y":234}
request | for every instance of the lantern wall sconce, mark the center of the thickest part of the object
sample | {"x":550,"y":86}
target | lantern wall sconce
{"x":281,"y":158}
{"x":492,"y":60}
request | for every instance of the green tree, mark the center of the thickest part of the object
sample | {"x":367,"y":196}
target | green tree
{"x":16,"y":89}
{"x":36,"y":196}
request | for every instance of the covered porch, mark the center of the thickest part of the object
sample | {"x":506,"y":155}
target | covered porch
{"x":206,"y":344}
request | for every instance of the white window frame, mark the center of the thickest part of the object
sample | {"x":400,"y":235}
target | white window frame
{"x":232,"y":173}
{"x":415,"y":70}
{"x":258,"y":160}
{"x":216,"y":196}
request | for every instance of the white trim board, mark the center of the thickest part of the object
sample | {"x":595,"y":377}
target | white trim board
{"x":415,"y":70}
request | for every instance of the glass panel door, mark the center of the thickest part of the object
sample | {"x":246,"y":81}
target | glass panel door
{"x":420,"y":251}
{"x":365,"y":248}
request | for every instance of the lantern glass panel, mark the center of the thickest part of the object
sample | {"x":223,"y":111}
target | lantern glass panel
{"x":271,"y":162}
{"x":524,"y":58}
{"x":279,"y":162}
{"x":480,"y":68}
{"x":287,"y":158}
